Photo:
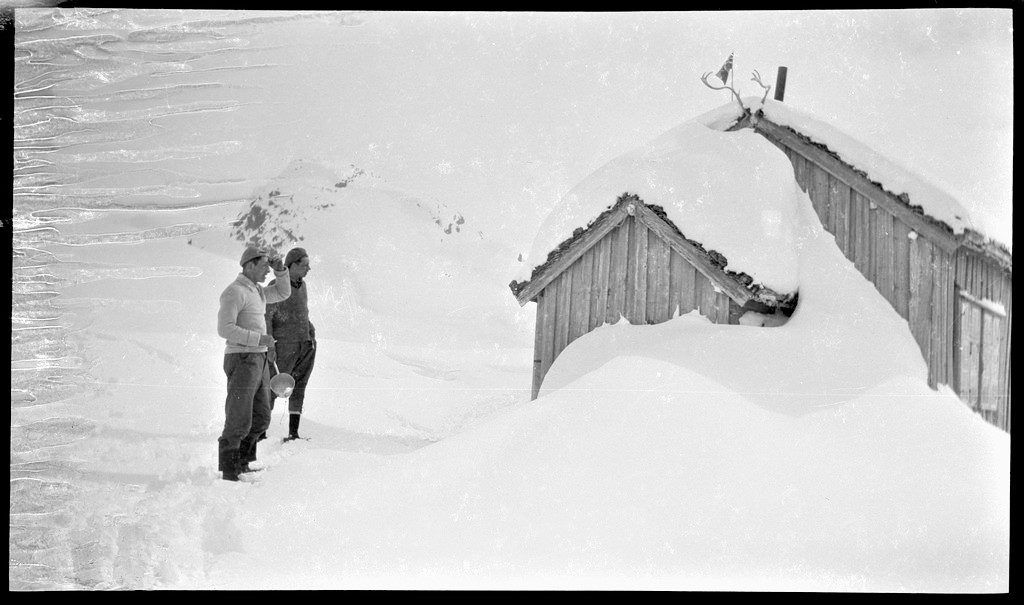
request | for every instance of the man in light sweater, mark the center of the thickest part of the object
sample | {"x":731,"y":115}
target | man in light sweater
{"x":294,"y":348}
{"x":241,"y":322}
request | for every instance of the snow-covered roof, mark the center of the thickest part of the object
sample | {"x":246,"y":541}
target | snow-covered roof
{"x":893,"y":176}
{"x":732,"y":192}
{"x":974,"y":230}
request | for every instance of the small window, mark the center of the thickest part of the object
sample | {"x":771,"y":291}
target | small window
{"x":982,"y":332}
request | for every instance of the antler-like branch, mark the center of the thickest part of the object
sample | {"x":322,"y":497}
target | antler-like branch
{"x":757,"y":78}
{"x":736,"y":96}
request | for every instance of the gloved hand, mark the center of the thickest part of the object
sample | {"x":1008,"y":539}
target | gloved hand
{"x":266,"y":340}
{"x":276,"y":263}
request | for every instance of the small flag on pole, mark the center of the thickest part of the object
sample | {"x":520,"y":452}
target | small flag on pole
{"x":723,"y":74}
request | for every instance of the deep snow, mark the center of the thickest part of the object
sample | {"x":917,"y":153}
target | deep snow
{"x":810,"y":456}
{"x":687,"y":455}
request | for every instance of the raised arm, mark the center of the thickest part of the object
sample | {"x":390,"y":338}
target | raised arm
{"x":281,"y":288}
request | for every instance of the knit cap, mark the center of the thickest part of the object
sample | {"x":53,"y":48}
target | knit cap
{"x":250,"y":253}
{"x":294,"y":255}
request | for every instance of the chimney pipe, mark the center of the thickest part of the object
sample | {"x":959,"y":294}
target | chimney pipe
{"x":780,"y":83}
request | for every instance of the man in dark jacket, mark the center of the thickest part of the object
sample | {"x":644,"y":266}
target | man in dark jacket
{"x":294,"y":348}
{"x":241,"y":323}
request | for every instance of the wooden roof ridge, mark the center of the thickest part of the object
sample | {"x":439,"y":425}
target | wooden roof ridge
{"x":740,"y":287}
{"x":899,"y":204}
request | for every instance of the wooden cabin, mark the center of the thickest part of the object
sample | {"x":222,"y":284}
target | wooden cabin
{"x":954,"y":290}
{"x":633,"y":262}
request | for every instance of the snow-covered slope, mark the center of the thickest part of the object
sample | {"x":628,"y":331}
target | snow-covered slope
{"x":685,"y":456}
{"x":386,"y":265}
{"x":680,"y":456}
{"x":282,"y":210}
{"x":811,"y":456}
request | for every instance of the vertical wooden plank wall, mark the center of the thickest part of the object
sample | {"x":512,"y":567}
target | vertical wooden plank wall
{"x":921,"y":280}
{"x":970,"y":321}
{"x":920,"y":300}
{"x":538,"y":346}
{"x":990,"y":391}
{"x":902,"y":237}
{"x":882,"y":244}
{"x":599,"y":300}
{"x":544,"y":339}
{"x":658,"y":267}
{"x":563,"y":312}
{"x":817,"y":189}
{"x":617,"y":265}
{"x":676,"y":300}
{"x":943,"y":320}
{"x":1005,"y":294}
{"x":860,"y":226}
{"x":636,"y":278}
{"x":907,"y":270}
{"x":631,"y":273}
{"x":839,"y":206}
{"x":579,"y":307}
{"x":984,"y":279}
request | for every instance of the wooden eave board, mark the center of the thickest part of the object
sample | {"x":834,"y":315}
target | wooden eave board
{"x":996,"y":252}
{"x":578,"y":248}
{"x":732,"y":288}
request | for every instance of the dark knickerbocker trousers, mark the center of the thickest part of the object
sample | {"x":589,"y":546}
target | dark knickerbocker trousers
{"x":296,"y":358}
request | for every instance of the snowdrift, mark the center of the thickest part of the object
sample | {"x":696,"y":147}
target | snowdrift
{"x":686,"y":455}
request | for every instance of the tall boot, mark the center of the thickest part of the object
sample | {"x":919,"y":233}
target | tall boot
{"x":293,"y":426}
{"x":246,"y":454}
{"x":228,"y":464}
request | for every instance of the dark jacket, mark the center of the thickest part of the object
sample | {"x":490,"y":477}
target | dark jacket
{"x":288,"y":320}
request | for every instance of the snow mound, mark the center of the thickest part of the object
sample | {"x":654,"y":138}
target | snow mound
{"x":808,"y":457}
{"x":731,"y":191}
{"x":387,"y":267}
{"x":284,"y":208}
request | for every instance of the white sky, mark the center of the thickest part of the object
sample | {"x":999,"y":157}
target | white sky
{"x":435,"y":95}
{"x":501,"y":114}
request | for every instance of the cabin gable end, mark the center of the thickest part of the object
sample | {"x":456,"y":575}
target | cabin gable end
{"x":632,"y":263}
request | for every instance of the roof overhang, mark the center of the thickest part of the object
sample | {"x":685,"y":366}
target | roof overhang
{"x":738,"y":286}
{"x":899,"y":205}
{"x":935,"y":231}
